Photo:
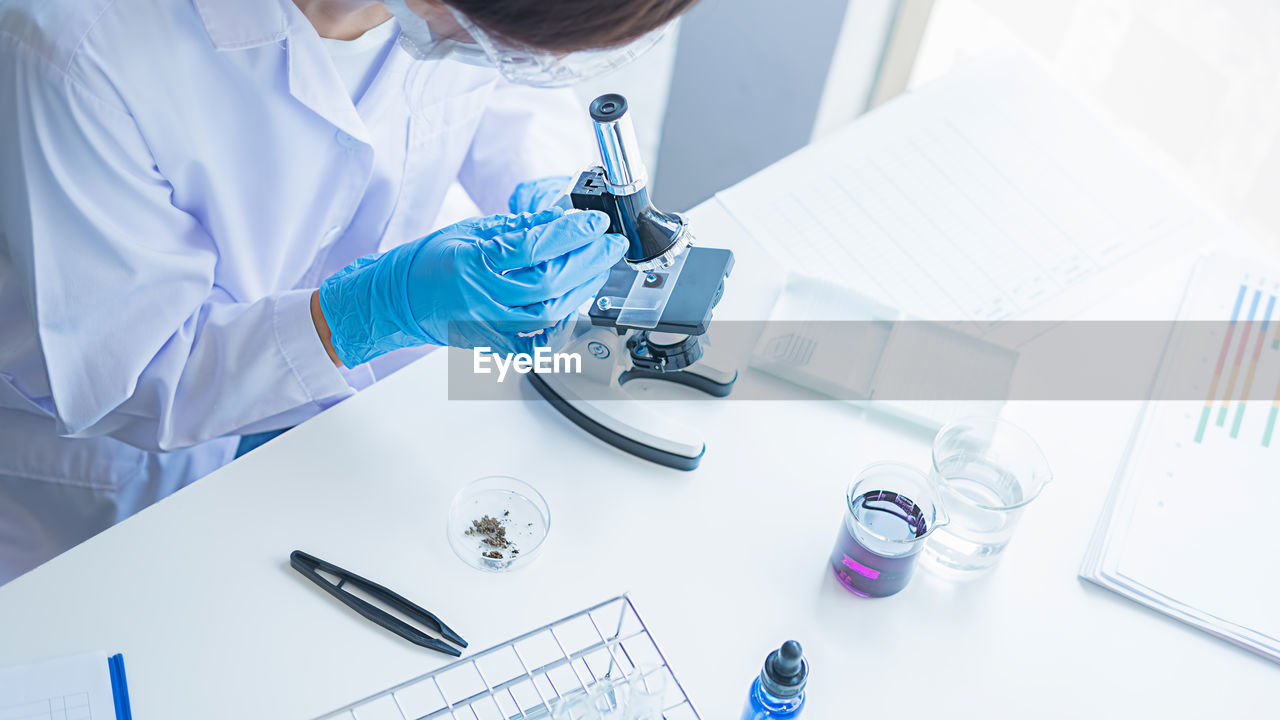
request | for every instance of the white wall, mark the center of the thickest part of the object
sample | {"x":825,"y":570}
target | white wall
{"x":1197,"y":82}
{"x":749,"y":76}
{"x":855,"y":64}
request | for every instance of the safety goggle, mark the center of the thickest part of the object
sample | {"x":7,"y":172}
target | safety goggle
{"x":547,"y":69}
{"x":524,"y":66}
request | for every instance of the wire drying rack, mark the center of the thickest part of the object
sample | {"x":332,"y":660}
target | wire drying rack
{"x":523,"y":678}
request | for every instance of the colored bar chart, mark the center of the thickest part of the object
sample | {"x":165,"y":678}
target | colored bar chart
{"x":1235,"y":367}
{"x":1253,"y":367}
{"x":1271,"y":421}
{"x":1222,"y":361}
{"x":1250,"y":334}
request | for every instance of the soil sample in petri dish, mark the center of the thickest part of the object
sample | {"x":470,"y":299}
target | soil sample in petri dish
{"x":498,"y":523}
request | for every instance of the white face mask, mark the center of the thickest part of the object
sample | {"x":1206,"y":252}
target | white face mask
{"x":422,"y":44}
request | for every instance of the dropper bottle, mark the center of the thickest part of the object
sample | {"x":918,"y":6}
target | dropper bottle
{"x":779,"y":691}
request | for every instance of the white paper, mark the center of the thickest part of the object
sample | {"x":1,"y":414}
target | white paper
{"x":988,"y":195}
{"x":75,"y":687}
{"x":1189,"y":527}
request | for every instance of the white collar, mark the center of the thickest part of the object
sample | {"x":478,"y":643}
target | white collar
{"x":240,"y":24}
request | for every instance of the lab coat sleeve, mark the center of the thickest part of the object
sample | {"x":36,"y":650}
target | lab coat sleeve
{"x":137,"y":339}
{"x":525,"y":133}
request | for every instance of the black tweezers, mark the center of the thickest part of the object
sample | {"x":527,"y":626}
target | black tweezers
{"x":311,"y":566}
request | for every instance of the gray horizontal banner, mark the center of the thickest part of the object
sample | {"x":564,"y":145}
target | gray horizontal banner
{"x":908,"y":360}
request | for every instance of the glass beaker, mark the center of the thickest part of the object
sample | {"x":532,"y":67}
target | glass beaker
{"x":891,"y":509}
{"x":988,"y":471}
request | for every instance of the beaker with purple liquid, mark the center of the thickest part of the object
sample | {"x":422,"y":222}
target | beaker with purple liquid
{"x":891,"y":509}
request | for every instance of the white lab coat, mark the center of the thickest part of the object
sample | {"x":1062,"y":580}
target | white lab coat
{"x":178,"y":175}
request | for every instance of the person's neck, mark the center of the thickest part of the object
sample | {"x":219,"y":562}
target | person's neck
{"x":343,"y":19}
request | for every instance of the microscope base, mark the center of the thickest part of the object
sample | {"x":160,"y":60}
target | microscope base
{"x":596,"y":402}
{"x":679,"y":453}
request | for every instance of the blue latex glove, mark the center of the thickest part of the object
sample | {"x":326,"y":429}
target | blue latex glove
{"x":481,"y":282}
{"x":535,"y":195}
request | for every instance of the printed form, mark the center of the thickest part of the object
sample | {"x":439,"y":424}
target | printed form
{"x":76,"y":687}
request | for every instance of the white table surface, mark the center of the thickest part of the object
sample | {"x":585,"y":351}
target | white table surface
{"x":724,"y":562}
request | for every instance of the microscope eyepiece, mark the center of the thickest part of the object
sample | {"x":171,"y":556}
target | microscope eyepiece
{"x":608,"y":108}
{"x":616,"y":139}
{"x":656,"y":238}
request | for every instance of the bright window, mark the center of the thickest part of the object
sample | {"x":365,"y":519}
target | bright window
{"x":1195,"y":81}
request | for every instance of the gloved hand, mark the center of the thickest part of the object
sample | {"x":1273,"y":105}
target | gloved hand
{"x":481,"y":282}
{"x":534,"y":195}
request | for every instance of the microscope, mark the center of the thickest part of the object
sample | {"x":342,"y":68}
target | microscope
{"x":650,"y":320}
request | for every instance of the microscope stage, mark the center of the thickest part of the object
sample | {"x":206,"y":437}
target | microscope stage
{"x":688,"y":311}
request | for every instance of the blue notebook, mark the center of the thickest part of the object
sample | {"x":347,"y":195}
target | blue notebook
{"x":86,"y":686}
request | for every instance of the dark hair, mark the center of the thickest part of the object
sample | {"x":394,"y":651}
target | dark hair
{"x":567,"y":25}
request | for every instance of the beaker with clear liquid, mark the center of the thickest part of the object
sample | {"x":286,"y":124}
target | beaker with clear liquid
{"x":892,"y":508}
{"x":988,"y":470}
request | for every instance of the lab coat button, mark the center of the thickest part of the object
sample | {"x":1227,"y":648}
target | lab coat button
{"x":346,"y":140}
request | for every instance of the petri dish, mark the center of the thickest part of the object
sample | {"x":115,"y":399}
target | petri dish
{"x":498,"y":523}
